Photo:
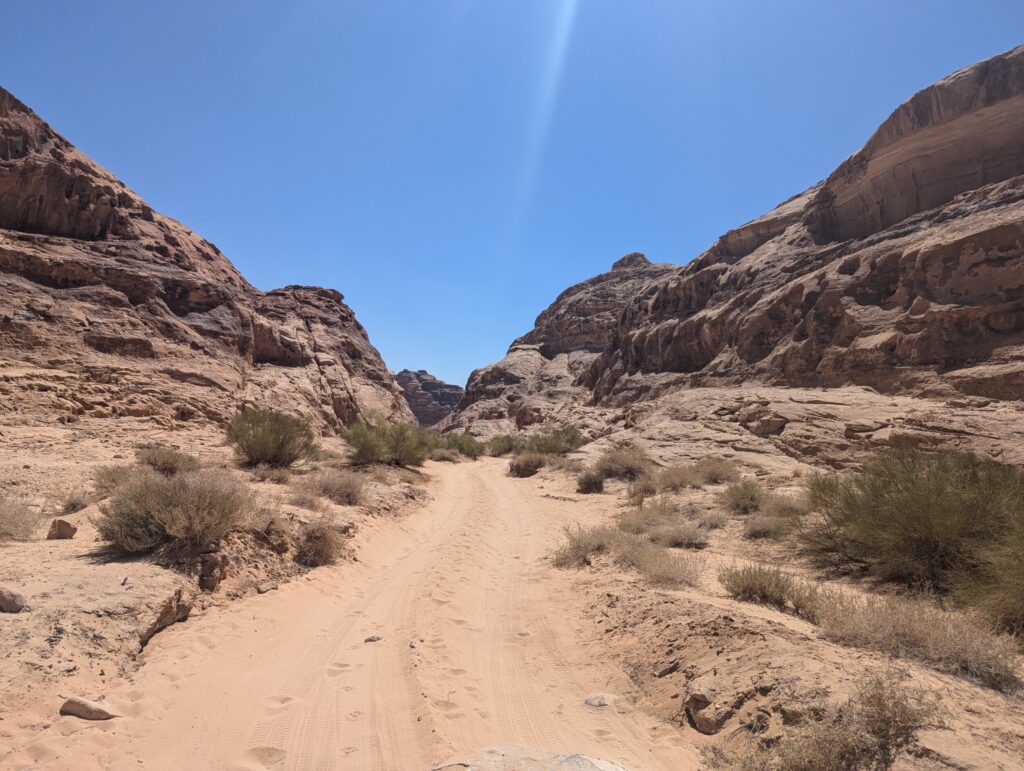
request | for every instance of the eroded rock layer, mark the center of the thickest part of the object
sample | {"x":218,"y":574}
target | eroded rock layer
{"x":431,"y":400}
{"x":108,"y":308}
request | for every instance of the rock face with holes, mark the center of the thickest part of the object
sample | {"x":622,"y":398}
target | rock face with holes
{"x":903,"y":271}
{"x":431,"y":400}
{"x":536,"y":381}
{"x":108,"y":308}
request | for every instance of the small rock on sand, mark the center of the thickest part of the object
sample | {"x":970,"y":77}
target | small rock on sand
{"x":373,"y":638}
{"x":61,"y":529}
{"x":86,"y":709}
{"x":11,"y":601}
{"x":596,"y":701}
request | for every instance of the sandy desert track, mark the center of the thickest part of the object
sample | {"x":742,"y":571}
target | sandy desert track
{"x":481,"y":643}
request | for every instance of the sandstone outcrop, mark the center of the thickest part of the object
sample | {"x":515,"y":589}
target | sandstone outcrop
{"x":536,"y":381}
{"x":109,"y":309}
{"x":431,"y":400}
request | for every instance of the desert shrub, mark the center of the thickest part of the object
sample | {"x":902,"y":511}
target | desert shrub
{"x":444,"y":455}
{"x":167,"y":460}
{"x":107,"y":479}
{"x":948,"y":520}
{"x":743,"y":497}
{"x":590,"y":482}
{"x":186,"y":510}
{"x":320,"y":543}
{"x":624,"y":463}
{"x":464,"y":444}
{"x":76,"y":501}
{"x":712,"y":520}
{"x":657,"y":513}
{"x":657,"y":565}
{"x":368,"y":444}
{"x":503,"y":444}
{"x":580,"y":545}
{"x":338,"y":486}
{"x":789,"y":507}
{"x":553,"y":441}
{"x":18,"y":519}
{"x":707,"y":471}
{"x":763,"y":526}
{"x":526,"y":465}
{"x":375,"y":440}
{"x":275,"y":474}
{"x":757,"y":583}
{"x":678,"y":477}
{"x":716,"y":471}
{"x":685,"y":535}
{"x":562,"y":463}
{"x":915,"y":628}
{"x":270,"y":438}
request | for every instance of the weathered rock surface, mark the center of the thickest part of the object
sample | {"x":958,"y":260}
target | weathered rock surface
{"x":109,"y":309}
{"x":431,"y":400}
{"x":86,"y":709}
{"x":11,"y":601}
{"x":536,"y":381}
{"x":511,"y":758}
{"x":60,"y":530}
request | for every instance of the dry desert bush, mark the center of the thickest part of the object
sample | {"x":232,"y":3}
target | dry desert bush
{"x":707,"y":471}
{"x":275,"y":474}
{"x":18,"y":519}
{"x":590,"y":482}
{"x":336,"y":485}
{"x":743,"y":497}
{"x":503,"y":444}
{"x":107,"y":479}
{"x":712,"y":520}
{"x":684,"y":535}
{"x":167,"y":460}
{"x":444,"y":455}
{"x":265,"y":437}
{"x":320,"y":543}
{"x":582,"y":544}
{"x":658,"y":512}
{"x":630,"y":552}
{"x":623,"y":463}
{"x":186,"y":510}
{"x":527,"y":464}
{"x":76,"y":501}
{"x":952,"y":521}
{"x":762,"y":526}
{"x":557,"y":440}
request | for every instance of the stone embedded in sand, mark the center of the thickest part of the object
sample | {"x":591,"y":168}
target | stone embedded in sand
{"x":86,"y":709}
{"x":61,"y":529}
{"x":213,"y":568}
{"x":596,"y":701}
{"x":174,"y":609}
{"x":506,"y":757}
{"x":707,"y":715}
{"x":11,"y":601}
{"x":373,"y":638}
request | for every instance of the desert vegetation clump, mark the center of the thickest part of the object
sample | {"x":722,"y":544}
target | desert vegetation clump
{"x":624,"y":463}
{"x":187,"y":511}
{"x":503,"y":444}
{"x":744,"y":497}
{"x":107,"y":479}
{"x":275,"y":474}
{"x":590,"y":482}
{"x":76,"y":501}
{"x":167,"y":460}
{"x":18,"y":519}
{"x":320,"y":542}
{"x":336,"y":485}
{"x":948,"y":520}
{"x":265,"y":437}
{"x":557,"y":440}
{"x":526,"y":464}
{"x":583,"y":544}
{"x":682,"y":535}
{"x":765,"y":526}
{"x":463,"y":444}
{"x":444,"y":455}
{"x":707,"y":471}
{"x":375,"y":440}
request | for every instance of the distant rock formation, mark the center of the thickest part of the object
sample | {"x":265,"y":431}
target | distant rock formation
{"x":535,"y":381}
{"x":109,"y":309}
{"x":431,"y":400}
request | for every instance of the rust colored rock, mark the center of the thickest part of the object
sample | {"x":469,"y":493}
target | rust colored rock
{"x":123,"y":312}
{"x":61,"y":529}
{"x":431,"y":400}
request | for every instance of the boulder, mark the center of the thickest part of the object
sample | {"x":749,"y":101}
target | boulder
{"x":11,"y":601}
{"x":86,"y":709}
{"x":61,"y":529}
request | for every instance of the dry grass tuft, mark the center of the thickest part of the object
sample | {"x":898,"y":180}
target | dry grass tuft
{"x":503,"y":444}
{"x":18,"y":519}
{"x":320,"y":543}
{"x":552,"y":441}
{"x":659,"y":566}
{"x":624,"y":463}
{"x":590,"y":482}
{"x":275,"y":474}
{"x":707,"y":471}
{"x":76,"y":501}
{"x":444,"y":455}
{"x":581,"y":545}
{"x":186,"y":510}
{"x":685,"y":535}
{"x":167,"y":460}
{"x":764,"y":526}
{"x":712,"y":520}
{"x":744,"y":497}
{"x":342,"y":487}
{"x":108,"y":479}
{"x":526,"y":465}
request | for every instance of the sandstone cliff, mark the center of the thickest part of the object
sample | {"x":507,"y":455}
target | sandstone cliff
{"x":536,"y":381}
{"x":431,"y":400}
{"x":108,"y":308}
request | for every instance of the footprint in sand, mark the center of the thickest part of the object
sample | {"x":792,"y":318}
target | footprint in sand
{"x":356,"y":714}
{"x":267,"y":757}
{"x":278,"y":704}
{"x":337,"y":669}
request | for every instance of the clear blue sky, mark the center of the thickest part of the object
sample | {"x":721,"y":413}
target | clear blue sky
{"x":451,"y":165}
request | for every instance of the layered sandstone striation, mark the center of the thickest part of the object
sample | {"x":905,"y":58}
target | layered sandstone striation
{"x":431,"y":400}
{"x":536,"y":381}
{"x":108,"y":308}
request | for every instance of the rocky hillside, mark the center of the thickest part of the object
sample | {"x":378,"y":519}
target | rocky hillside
{"x":903,"y":271}
{"x":536,"y":381}
{"x":108,"y":308}
{"x":431,"y":400}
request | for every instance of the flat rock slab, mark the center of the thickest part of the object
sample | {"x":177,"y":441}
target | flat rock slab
{"x":86,"y":709}
{"x":510,"y":758}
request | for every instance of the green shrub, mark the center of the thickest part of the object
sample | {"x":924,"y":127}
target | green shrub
{"x":553,"y":441}
{"x":503,"y":444}
{"x":590,"y":482}
{"x":270,"y":438}
{"x":375,"y":440}
{"x":948,"y":520}
{"x":167,"y":460}
{"x":444,"y":455}
{"x":526,"y":464}
{"x":186,"y":510}
{"x":320,"y":543}
{"x":743,"y":497}
{"x":624,"y":463}
{"x":464,"y":444}
{"x":18,"y":519}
